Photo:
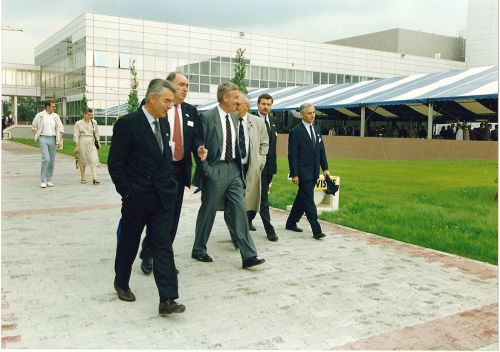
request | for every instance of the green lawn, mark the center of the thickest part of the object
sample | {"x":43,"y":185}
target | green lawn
{"x":445,"y":205}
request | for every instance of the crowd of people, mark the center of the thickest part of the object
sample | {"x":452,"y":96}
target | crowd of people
{"x":483,"y":132}
{"x":150,"y":165}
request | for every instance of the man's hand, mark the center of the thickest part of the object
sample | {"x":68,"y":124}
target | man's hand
{"x":326,"y":173}
{"x":202,"y":152}
{"x":295,"y":180}
{"x":77,"y":149}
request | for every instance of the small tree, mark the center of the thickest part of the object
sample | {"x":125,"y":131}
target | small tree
{"x":84,"y":102}
{"x":133,"y":100}
{"x":239,"y":70}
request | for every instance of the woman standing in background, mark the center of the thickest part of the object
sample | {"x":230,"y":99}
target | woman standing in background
{"x":85,"y":135}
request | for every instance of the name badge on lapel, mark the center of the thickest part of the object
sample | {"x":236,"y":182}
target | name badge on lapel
{"x":190,"y":123}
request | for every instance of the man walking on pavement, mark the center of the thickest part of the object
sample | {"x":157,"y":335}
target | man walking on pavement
{"x":48,"y":131}
{"x":185,"y":138}
{"x":222,"y":178}
{"x":253,"y":143}
{"x":140,"y":165}
{"x":264,"y":104}
{"x":306,"y":153}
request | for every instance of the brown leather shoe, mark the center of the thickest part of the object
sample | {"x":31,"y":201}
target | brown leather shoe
{"x":170,"y":306}
{"x":124,"y":295}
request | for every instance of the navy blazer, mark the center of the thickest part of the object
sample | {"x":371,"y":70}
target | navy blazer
{"x":271,"y":167}
{"x":192,"y":137}
{"x":304,"y":156}
{"x":136,"y":163}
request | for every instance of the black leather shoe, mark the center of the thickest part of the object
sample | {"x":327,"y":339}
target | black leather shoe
{"x":319,"y":236}
{"x":202,"y":258}
{"x":251,"y":227}
{"x":124,"y":295}
{"x":147,"y":266}
{"x":170,"y":306}
{"x":271,"y":236}
{"x":294,"y":228}
{"x":236,"y":245}
{"x":247,"y":263}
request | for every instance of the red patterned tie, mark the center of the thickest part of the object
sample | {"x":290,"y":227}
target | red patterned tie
{"x":177,"y":137}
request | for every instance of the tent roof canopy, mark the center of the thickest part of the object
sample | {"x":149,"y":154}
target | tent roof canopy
{"x":459,"y":85}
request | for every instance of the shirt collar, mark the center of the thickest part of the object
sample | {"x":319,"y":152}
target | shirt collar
{"x":150,"y":117}
{"x":306,"y":124}
{"x":222,"y":113}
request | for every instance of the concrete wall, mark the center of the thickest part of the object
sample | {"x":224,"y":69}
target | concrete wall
{"x":372,"y":148}
{"x":482,"y":33}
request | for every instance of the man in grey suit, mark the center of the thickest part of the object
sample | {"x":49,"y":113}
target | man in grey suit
{"x":222,"y":179}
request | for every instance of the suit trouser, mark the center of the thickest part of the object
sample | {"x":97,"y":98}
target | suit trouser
{"x":223,"y":183}
{"x":227,"y":212}
{"x":48,"y":150}
{"x":266,"y":180}
{"x":180,"y":173}
{"x":304,"y":203}
{"x":135,"y":215}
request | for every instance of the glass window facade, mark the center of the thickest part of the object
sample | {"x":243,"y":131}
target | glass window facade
{"x":96,"y":53}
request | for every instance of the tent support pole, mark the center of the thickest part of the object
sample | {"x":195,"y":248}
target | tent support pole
{"x":430,"y":114}
{"x":362,"y":132}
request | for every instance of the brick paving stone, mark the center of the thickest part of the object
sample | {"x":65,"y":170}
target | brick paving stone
{"x":58,"y":249}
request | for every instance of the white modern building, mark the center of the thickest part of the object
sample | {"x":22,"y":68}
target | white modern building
{"x":93,"y":54}
{"x":482,"y":33}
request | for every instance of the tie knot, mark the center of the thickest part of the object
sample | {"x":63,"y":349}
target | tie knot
{"x":176,"y":106}
{"x":241,"y":119}
{"x":155,"y":122}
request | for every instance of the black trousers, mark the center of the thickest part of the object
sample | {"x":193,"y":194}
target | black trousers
{"x":264,"y":204}
{"x":304,"y":203}
{"x":180,"y":174}
{"x":136,"y":213}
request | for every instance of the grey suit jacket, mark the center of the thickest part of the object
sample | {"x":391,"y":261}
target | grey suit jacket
{"x":214,"y":139}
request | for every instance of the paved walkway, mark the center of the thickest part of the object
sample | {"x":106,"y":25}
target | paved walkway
{"x":352,"y":290}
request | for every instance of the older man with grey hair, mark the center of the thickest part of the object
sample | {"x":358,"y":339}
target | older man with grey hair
{"x":140,"y":165}
{"x":253,"y":143}
{"x":222,"y":179}
{"x":306,"y":153}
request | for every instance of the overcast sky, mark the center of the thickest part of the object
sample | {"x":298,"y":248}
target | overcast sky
{"x":311,"y":20}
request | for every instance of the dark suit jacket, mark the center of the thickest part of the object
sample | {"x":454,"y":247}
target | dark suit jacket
{"x":136,"y":164}
{"x":304,"y":158}
{"x":192,"y":134}
{"x":270,"y":168}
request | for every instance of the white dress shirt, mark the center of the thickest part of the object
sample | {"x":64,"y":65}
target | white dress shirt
{"x":222,"y":115}
{"x":48,"y":124}
{"x":308,"y":128}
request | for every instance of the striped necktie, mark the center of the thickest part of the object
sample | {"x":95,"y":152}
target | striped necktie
{"x":243,"y":148}
{"x":229,"y":140}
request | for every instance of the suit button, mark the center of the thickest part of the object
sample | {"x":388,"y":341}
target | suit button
{"x":148,"y":177}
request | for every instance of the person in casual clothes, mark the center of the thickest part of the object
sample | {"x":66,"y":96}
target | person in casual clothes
{"x":48,"y":131}
{"x":85,"y":134}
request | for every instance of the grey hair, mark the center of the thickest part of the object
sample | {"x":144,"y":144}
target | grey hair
{"x":156,"y":85}
{"x":305,"y":106}
{"x":245,"y":99}
{"x":225,"y":88}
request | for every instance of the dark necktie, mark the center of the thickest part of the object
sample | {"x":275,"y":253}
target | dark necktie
{"x":158,"y":134}
{"x":243,"y":148}
{"x":312,"y":134}
{"x":229,"y":140}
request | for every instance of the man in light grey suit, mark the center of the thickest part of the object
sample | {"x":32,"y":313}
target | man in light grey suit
{"x":222,"y":179}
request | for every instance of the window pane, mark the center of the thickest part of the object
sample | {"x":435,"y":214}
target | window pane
{"x":264,"y":73}
{"x":215,"y":69}
{"x":282,"y":75}
{"x":324,"y":78}
{"x":316,"y":77}
{"x":205,"y":68}
{"x":205,"y":79}
{"x":308,"y":77}
{"x":225,"y":69}
{"x":273,"y":74}
{"x":194,"y":68}
{"x":340,"y":79}
{"x":255,"y":72}
{"x":291,"y":76}
{"x":204,"y":88}
{"x":125,"y":60}
{"x":299,"y":77}
{"x":99,"y":58}
{"x":332,"y":78}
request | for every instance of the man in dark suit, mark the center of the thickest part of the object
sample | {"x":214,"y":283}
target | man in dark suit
{"x":264,"y":104}
{"x":140,"y":165}
{"x":222,"y":178}
{"x":306,"y":153}
{"x":185,"y":138}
